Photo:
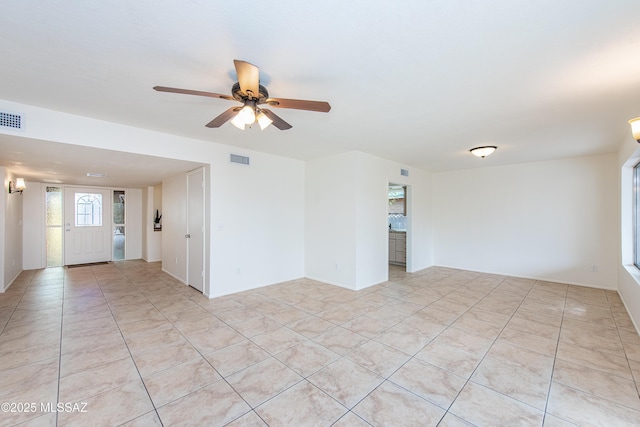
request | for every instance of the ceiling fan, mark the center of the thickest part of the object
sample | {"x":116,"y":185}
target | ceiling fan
{"x":252,"y":95}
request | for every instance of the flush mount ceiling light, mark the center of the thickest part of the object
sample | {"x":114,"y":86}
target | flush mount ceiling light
{"x":96,"y":175}
{"x":635,"y":128}
{"x":483,"y":151}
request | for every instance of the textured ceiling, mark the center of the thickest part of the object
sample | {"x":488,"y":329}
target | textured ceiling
{"x":419,"y":82}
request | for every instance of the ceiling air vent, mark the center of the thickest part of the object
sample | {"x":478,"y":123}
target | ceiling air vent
{"x":11,"y":121}
{"x":404,"y":172}
{"x":243,"y":160}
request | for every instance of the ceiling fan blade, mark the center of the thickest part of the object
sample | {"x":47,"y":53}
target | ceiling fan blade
{"x":192,"y":92}
{"x":248,"y":77}
{"x":224,"y":117}
{"x":299,"y":104}
{"x":277,"y":121}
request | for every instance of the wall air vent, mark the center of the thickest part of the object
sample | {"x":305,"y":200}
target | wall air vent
{"x":404,"y":172}
{"x":11,"y":121}
{"x":243,"y":160}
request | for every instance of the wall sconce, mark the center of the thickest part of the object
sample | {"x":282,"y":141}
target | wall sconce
{"x":17,"y":187}
{"x":635,"y":128}
{"x":483,"y":151}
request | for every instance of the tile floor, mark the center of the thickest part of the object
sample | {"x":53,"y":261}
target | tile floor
{"x":131,"y":346}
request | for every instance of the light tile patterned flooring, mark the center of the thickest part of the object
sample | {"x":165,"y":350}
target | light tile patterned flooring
{"x":438,"y":347}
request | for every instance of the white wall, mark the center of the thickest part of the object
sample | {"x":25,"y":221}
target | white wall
{"x":372,"y":232}
{"x":147,"y":199}
{"x":155,"y":237}
{"x":420,"y":239}
{"x":330,"y":220}
{"x":3,"y":221}
{"x":256,"y":221}
{"x":256,"y":212}
{"x":372,"y":220}
{"x":628,"y":274}
{"x":34,"y":251}
{"x":346,"y":228}
{"x":133,"y":220}
{"x":551,"y":220}
{"x":256,"y":217}
{"x":11,"y":226}
{"x":152,"y":240}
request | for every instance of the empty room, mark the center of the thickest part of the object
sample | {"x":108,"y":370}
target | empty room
{"x":414,"y":213}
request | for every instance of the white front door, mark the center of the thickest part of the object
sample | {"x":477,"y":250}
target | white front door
{"x":195,"y":229}
{"x":87,"y":225}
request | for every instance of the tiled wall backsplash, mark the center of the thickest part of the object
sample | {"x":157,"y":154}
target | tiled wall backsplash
{"x":398,"y":222}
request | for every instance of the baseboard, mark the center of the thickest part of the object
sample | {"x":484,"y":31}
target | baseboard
{"x":174,"y":276}
{"x":541,"y":279}
{"x":11,"y":281}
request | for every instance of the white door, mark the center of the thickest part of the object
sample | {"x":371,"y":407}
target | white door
{"x":195,"y":229}
{"x":87,"y":225}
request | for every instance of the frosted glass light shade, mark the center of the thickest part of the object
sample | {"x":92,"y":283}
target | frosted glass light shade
{"x":635,"y":128}
{"x":20,"y":185}
{"x":264,"y":121}
{"x":247,"y":115}
{"x":483,"y":151}
{"x":237,"y":122}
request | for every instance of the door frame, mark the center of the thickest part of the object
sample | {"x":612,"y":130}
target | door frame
{"x":408,"y":201}
{"x":107,"y":219}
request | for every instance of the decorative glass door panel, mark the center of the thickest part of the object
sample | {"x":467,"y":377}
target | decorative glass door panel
{"x":53,"y":237}
{"x":119,"y":216}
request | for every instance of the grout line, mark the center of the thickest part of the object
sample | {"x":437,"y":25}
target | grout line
{"x":449,"y":287}
{"x":4,"y":327}
{"x":64,"y":285}
{"x":123,"y":338}
{"x":485,"y":353}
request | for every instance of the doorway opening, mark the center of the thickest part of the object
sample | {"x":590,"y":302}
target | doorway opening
{"x":398,"y":215}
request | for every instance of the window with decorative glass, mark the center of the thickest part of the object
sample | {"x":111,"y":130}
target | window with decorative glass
{"x":88,"y":210}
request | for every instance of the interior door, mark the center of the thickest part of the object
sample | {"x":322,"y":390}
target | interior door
{"x":195,"y":229}
{"x":87,"y":225}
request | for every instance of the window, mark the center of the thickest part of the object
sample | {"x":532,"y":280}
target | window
{"x":636,"y":215}
{"x":118,"y":224}
{"x":88,"y":210}
{"x":53,"y":236}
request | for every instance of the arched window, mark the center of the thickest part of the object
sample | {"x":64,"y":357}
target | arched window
{"x":88,"y":210}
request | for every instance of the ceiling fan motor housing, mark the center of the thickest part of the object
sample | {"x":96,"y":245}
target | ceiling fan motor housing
{"x":241,"y":96}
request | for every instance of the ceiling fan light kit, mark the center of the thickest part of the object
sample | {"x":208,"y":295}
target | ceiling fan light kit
{"x":263,"y":120}
{"x":251,"y":94}
{"x":248,"y":113}
{"x":237,"y":122}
